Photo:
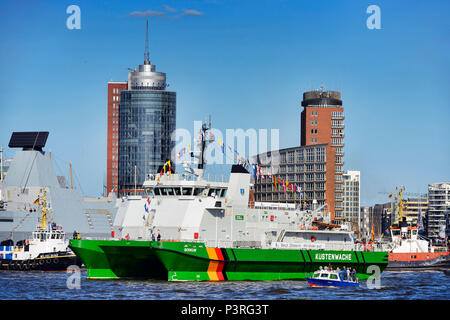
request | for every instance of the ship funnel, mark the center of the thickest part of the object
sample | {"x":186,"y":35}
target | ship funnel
{"x":238,"y":186}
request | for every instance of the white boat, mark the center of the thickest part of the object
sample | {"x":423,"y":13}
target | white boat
{"x":46,"y":250}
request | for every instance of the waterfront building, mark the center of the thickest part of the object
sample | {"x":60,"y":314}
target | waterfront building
{"x":112,"y":154}
{"x":147,"y":118}
{"x":317,"y":164}
{"x":351,"y":197}
{"x":412,"y":207}
{"x":305,"y":166}
{"x":364,"y":222}
{"x":141,"y":119}
{"x":438,"y":211}
{"x":322,"y":121}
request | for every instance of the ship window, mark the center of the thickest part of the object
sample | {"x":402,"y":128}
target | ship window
{"x":333,"y":276}
{"x":177,"y":191}
{"x":223,"y":193}
{"x":211,"y":191}
{"x":170,"y":192}
{"x":156,"y":191}
{"x":198,"y":191}
{"x":187,"y":191}
{"x":324,"y":275}
{"x":163,"y":191}
{"x":53,"y":236}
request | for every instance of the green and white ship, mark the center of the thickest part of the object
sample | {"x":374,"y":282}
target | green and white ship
{"x":191,"y":229}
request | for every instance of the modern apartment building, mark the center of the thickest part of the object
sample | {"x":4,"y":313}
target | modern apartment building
{"x":304,"y":166}
{"x":438,"y":211}
{"x":351,"y":198}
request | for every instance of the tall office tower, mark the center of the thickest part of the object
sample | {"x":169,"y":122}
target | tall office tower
{"x":112,"y":160}
{"x":147,"y":118}
{"x":351,"y":197}
{"x":322,"y":121}
{"x":438,"y":211}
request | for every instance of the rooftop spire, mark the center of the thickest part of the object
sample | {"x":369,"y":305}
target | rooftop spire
{"x":146,"y":53}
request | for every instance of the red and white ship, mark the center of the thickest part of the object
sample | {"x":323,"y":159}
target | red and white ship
{"x":411,"y":252}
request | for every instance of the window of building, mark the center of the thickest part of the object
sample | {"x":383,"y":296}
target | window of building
{"x":309,"y":155}
{"x":291,"y":156}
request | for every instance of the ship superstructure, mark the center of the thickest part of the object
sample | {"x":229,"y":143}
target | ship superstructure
{"x":188,"y":228}
{"x":30,"y":172}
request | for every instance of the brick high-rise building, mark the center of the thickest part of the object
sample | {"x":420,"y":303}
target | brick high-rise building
{"x":112,"y":159}
{"x":317,"y":164}
{"x":322,"y":122}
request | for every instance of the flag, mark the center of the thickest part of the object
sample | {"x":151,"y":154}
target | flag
{"x":36,"y":201}
{"x":390,"y":196}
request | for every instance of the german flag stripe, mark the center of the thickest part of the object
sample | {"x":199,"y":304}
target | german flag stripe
{"x":216,"y":264}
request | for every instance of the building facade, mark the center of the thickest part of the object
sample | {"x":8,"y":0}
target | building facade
{"x":413,"y":207}
{"x":112,"y":154}
{"x":322,"y":122}
{"x":438,"y":212}
{"x":141,"y":119}
{"x":304,"y":166}
{"x":317,"y":164}
{"x":351,"y":199}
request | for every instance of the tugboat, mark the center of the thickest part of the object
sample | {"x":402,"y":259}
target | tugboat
{"x":47,"y":249}
{"x":410,"y":251}
{"x":332,"y":278}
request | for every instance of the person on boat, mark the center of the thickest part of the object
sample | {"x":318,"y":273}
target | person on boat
{"x":127,"y":237}
{"x":74,"y":235}
{"x":78,"y":236}
{"x":354,"y":275}
{"x":158,"y":238}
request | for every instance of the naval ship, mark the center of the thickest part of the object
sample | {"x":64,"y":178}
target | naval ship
{"x":30,"y":173}
{"x":191,"y":229}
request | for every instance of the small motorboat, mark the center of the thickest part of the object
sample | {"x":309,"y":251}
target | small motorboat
{"x":332,"y":278}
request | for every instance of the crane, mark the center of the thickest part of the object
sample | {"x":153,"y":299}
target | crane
{"x":398,"y":199}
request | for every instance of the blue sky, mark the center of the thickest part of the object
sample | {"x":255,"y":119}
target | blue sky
{"x":246,"y":63}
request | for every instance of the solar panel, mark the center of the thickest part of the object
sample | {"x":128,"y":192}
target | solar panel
{"x":34,"y":140}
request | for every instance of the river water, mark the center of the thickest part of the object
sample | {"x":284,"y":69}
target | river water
{"x":38,"y":285}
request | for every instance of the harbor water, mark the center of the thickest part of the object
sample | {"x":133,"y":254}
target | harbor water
{"x":38,"y":285}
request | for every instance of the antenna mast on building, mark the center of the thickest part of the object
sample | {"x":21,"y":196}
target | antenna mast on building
{"x":146,"y":53}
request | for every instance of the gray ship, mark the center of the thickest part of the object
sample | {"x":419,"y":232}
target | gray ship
{"x":29,"y":175}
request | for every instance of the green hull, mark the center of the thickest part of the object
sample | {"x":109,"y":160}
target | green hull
{"x":192,"y":261}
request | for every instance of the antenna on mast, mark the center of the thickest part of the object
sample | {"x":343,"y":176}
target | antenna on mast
{"x":146,"y":53}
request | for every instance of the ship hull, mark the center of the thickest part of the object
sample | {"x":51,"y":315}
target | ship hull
{"x":193,"y":261}
{"x":418,"y":261}
{"x":59,"y":262}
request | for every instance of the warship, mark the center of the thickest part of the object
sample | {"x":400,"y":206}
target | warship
{"x":190,"y":229}
{"x":30,"y":173}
